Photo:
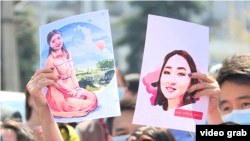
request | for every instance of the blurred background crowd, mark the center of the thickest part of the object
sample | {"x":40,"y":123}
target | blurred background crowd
{"x":228,"y":22}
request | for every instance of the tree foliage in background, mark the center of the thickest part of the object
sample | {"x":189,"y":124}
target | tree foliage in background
{"x":135,"y":26}
{"x":26,"y":45}
{"x":108,"y":63}
{"x":28,"y":55}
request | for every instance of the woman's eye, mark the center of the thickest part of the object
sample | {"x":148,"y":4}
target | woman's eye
{"x":53,"y":41}
{"x":226,"y":109}
{"x":59,"y":38}
{"x":245,"y":104}
{"x":166,"y":72}
{"x":181,"y":74}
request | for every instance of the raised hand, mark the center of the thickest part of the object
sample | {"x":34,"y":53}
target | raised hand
{"x":210,"y":87}
{"x":42,"y":78}
{"x":39,"y":132}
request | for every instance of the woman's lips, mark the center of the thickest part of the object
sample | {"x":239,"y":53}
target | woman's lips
{"x":170,"y":89}
{"x":58,"y":45}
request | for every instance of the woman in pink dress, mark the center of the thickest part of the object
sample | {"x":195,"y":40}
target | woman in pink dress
{"x":69,"y":100}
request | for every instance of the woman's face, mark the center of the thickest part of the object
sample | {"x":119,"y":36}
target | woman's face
{"x":174,"y":78}
{"x":56,"y":42}
{"x":8,"y":135}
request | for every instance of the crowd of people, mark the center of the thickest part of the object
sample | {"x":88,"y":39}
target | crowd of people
{"x":229,"y":104}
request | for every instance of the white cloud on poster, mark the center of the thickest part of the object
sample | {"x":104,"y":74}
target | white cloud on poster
{"x":88,"y":38}
{"x":109,"y":44}
{"x":79,"y":54}
{"x":79,"y":40}
{"x":86,"y":47}
{"x":105,"y":50}
{"x":91,"y":64}
{"x":85,"y":30}
{"x":68,"y":38}
{"x":99,"y":35}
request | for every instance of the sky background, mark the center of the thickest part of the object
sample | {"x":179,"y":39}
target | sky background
{"x":80,"y":39}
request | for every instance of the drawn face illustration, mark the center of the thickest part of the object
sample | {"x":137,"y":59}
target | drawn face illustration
{"x":56,"y":42}
{"x":174,"y":79}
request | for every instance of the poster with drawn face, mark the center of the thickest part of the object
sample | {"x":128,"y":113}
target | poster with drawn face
{"x":80,"y":50}
{"x":173,"y":49}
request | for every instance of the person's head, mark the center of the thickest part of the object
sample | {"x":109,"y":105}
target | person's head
{"x":213,"y":71}
{"x":12,"y":130}
{"x":174,"y":80}
{"x":132,"y":85}
{"x":121,"y":82}
{"x":55,"y":42}
{"x":234,"y":81}
{"x":30,"y":105}
{"x":148,"y":133}
{"x":229,"y":123}
{"x":121,"y":126}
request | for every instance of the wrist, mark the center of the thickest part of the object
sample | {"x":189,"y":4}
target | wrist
{"x":214,"y":111}
{"x":40,"y":102}
{"x":43,"y":109}
{"x":214,"y":117}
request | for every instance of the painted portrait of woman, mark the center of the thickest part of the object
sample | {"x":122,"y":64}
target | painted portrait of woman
{"x":173,"y":83}
{"x":70,"y":100}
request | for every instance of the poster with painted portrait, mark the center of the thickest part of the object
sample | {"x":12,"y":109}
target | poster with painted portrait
{"x":173,"y":49}
{"x":80,"y":50}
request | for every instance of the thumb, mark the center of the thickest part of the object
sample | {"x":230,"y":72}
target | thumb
{"x":37,"y":129}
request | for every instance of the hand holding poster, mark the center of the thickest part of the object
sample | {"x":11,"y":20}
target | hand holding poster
{"x":173,"y":50}
{"x":81,"y":53}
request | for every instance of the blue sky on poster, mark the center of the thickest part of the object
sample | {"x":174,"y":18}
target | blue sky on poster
{"x":80,"y":34}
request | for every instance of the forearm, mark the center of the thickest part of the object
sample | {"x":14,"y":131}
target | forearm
{"x":214,"y":117}
{"x":49,"y":127}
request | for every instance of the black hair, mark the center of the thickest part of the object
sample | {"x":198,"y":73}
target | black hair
{"x":133,"y":87}
{"x":149,"y":133}
{"x":229,"y":123}
{"x":235,"y":70}
{"x":125,"y":104}
{"x":187,"y":98}
{"x":24,"y":133}
{"x":50,"y":35}
{"x":28,"y":109}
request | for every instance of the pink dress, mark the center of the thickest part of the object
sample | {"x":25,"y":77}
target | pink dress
{"x":69,"y":100}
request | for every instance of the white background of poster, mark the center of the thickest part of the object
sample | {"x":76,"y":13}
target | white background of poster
{"x":163,"y":36}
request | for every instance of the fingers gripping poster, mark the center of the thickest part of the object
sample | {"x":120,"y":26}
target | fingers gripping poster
{"x":80,"y":50}
{"x":173,"y":49}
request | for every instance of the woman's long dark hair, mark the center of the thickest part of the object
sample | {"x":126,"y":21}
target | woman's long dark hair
{"x":187,"y":98}
{"x":23,"y":132}
{"x":50,"y":35}
{"x":28,"y":109}
{"x":149,"y":133}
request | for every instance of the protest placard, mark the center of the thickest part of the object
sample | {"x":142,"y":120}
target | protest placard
{"x":80,"y":50}
{"x":173,"y":50}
